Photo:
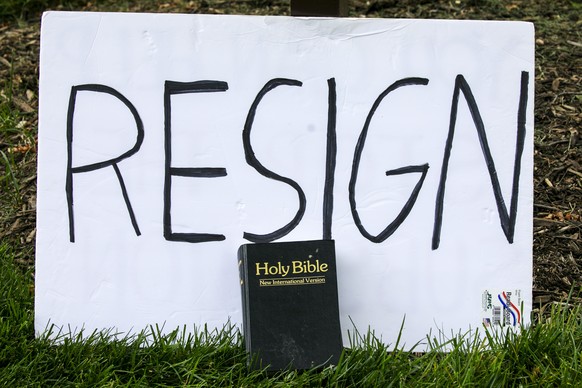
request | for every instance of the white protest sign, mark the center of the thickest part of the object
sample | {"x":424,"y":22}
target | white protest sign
{"x":167,"y":141}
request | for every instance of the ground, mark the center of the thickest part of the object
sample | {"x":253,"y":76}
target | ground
{"x":557,"y":244}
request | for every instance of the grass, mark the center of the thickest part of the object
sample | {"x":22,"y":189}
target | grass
{"x":547,"y":354}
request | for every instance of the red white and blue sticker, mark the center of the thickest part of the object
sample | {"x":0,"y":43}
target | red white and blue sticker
{"x":502,"y":308}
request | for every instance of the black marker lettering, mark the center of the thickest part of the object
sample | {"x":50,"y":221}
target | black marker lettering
{"x":170,"y":89}
{"x":97,"y":88}
{"x":391,"y":228}
{"x":507,"y":220}
{"x":330,"y":160}
{"x":254,"y":162}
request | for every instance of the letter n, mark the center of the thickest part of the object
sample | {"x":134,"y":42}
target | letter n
{"x":507,"y":219}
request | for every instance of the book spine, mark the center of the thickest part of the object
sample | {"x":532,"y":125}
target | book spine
{"x":244,"y":288}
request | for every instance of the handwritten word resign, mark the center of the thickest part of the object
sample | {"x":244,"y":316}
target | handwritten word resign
{"x":507,"y":217}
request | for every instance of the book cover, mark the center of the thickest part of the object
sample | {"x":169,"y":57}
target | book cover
{"x":290,"y":304}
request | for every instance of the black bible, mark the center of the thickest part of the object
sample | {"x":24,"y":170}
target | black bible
{"x":290,"y":304}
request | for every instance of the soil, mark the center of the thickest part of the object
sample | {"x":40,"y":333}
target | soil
{"x":557,"y":244}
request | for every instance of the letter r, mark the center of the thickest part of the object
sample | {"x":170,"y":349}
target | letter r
{"x":97,"y":88}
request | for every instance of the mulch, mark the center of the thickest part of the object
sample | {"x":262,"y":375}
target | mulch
{"x":557,"y":244}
